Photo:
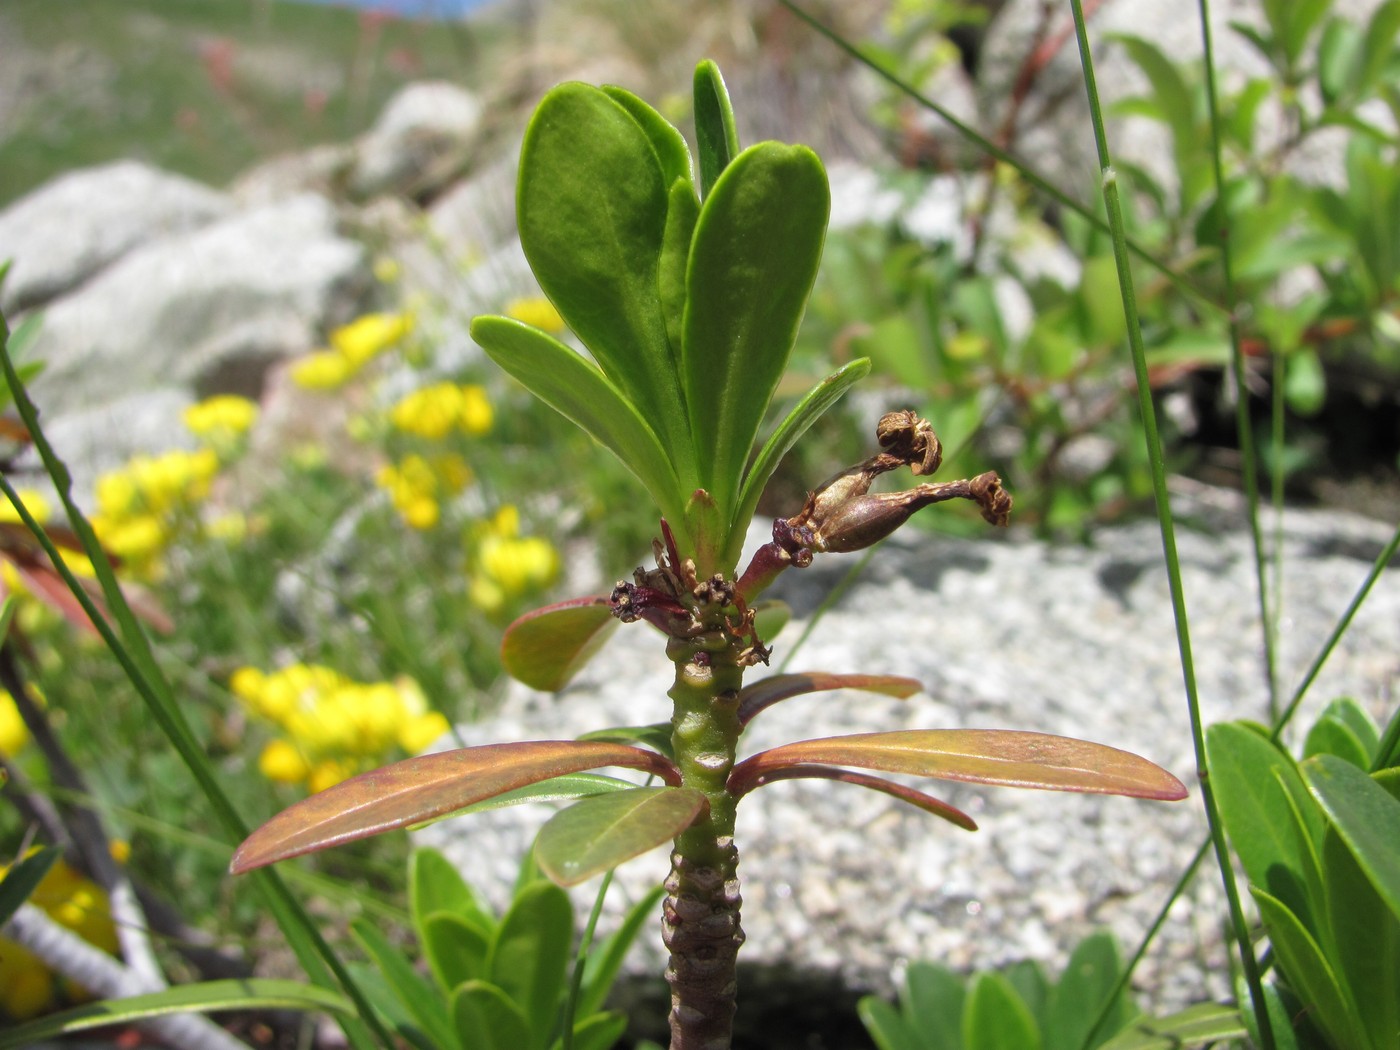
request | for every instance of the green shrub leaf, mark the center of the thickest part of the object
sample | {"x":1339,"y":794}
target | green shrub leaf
{"x":416,"y":995}
{"x":715,"y":133}
{"x":601,"y":832}
{"x":530,"y":955}
{"x":546,"y":647}
{"x":933,"y":1003}
{"x":455,"y":948}
{"x":487,"y":1019}
{"x":1089,"y":979}
{"x":996,"y":1018}
{"x":1308,"y":971}
{"x":1194,"y":1026}
{"x":885,"y":1025}
{"x":435,"y":885}
{"x":1366,"y":816}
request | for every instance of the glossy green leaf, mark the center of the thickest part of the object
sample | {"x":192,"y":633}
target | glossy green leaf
{"x":770,"y":617}
{"x":397,"y":1017}
{"x":1352,"y":715}
{"x":667,"y":143}
{"x":1261,"y":799}
{"x":761,"y":695}
{"x":591,"y":204}
{"x":1362,"y":941}
{"x":806,"y":412}
{"x":752,"y":263}
{"x":885,"y":1025}
{"x":605,"y":960}
{"x":487,"y":1019}
{"x":1195,"y":1026}
{"x":22,"y":879}
{"x":716,"y":136}
{"x":995,"y":1017}
{"x":1090,"y":977}
{"x":1328,"y":736}
{"x":932,"y":1003}
{"x":455,"y":948}
{"x":424,"y":788}
{"x":546,"y":647}
{"x":600,"y":833}
{"x":1366,"y":816}
{"x":656,"y":736}
{"x":252,"y":993}
{"x":529,"y":958}
{"x":1309,"y":973}
{"x":981,"y":756}
{"x":598,"y":1031}
{"x":682,"y":212}
{"x":919,"y":799}
{"x":435,"y":885}
{"x":568,"y":788}
{"x":576,"y":389}
{"x":421,"y":1001}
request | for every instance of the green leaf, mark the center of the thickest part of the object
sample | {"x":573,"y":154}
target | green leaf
{"x":885,"y":1025}
{"x":578,"y":391}
{"x":761,"y":695}
{"x":1363,"y":942}
{"x":7,"y":614}
{"x":487,"y":1019}
{"x":1309,"y":973}
{"x":715,"y":133}
{"x":1170,"y":89}
{"x":806,"y":412}
{"x":601,"y":832}
{"x":933,"y":1003}
{"x":530,"y":956}
{"x":996,"y":1018}
{"x":455,"y":948}
{"x":752,"y":263}
{"x":435,"y":885}
{"x":1366,"y":816}
{"x":656,"y":736}
{"x":682,"y":212}
{"x":1329,"y":736}
{"x":810,"y":771}
{"x":424,"y":788}
{"x":21,"y":880}
{"x":1258,"y":790}
{"x":1089,"y":979}
{"x":546,"y":647}
{"x":1352,"y":715}
{"x":770,"y":617}
{"x":1379,"y":46}
{"x":423,"y":1003}
{"x":605,"y":960}
{"x":1338,"y":59}
{"x":252,"y":993}
{"x":1194,"y":1026}
{"x":981,"y":756}
{"x":599,"y":1031}
{"x":1304,"y":384}
{"x":669,"y":145}
{"x":591,"y":204}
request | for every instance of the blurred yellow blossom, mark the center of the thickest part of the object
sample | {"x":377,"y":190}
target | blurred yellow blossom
{"x":507,"y":564}
{"x":436,"y":411}
{"x":416,"y":483}
{"x":537,"y":311}
{"x":321,"y":370}
{"x":333,"y":727}
{"x":34,"y":501}
{"x":142,"y":506}
{"x":27,"y":988}
{"x":221,"y":421}
{"x":14,"y":735}
{"x":365,"y":338}
{"x":387,"y":269}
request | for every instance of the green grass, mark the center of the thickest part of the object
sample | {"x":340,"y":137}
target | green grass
{"x":90,"y":81}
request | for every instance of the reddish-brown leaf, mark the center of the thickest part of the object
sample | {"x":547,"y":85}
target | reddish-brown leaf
{"x":981,"y":756}
{"x":546,"y":647}
{"x":762,"y":695}
{"x":914,"y":797}
{"x":427,"y":787}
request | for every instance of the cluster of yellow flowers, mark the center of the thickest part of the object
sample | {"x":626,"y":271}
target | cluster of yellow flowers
{"x":352,"y":347}
{"x":416,"y":485}
{"x":335,"y":727}
{"x":142,"y":506}
{"x":537,"y":312}
{"x":436,"y":411}
{"x":508,"y":565}
{"x":28,"y":987}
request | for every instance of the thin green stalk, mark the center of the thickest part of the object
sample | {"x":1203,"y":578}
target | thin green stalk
{"x":148,"y":680}
{"x":581,"y":959}
{"x":1269,"y":612}
{"x":1164,"y":517}
{"x":985,"y":144}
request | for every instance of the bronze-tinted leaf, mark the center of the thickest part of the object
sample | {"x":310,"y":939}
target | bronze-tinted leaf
{"x":546,"y":647}
{"x":981,"y":756}
{"x":761,"y":695}
{"x":914,"y":797}
{"x":603,"y":831}
{"x":427,"y":787}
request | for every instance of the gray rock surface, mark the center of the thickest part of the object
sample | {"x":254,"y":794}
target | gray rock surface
{"x":67,"y":230}
{"x":262,"y":284}
{"x":419,"y":142}
{"x":1004,"y":633}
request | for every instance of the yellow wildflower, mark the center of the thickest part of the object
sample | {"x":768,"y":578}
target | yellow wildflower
{"x":328,"y":774}
{"x":13,"y":732}
{"x":537,"y":311}
{"x":519,"y":565}
{"x":365,"y":338}
{"x":417,"y":733}
{"x":322,"y":370}
{"x":282,"y":763}
{"x":221,"y":420}
{"x":34,"y":501}
{"x":476,"y":412}
{"x":432,"y":412}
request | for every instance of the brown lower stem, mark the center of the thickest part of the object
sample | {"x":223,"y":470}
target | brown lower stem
{"x":700,"y":927}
